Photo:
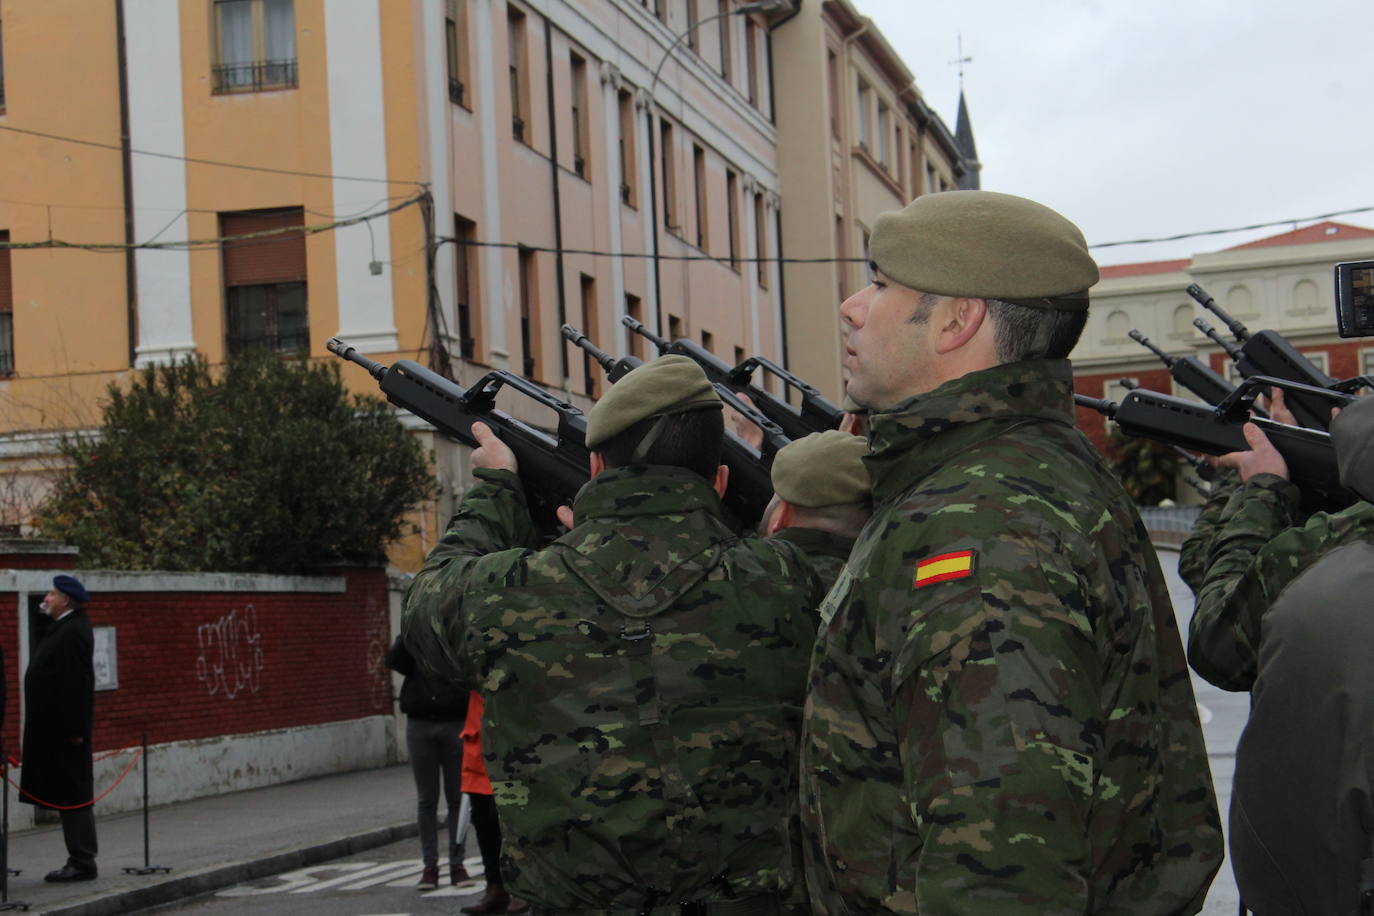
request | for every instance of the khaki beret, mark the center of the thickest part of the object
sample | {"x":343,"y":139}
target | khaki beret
{"x":822,"y":469}
{"x":669,"y":385}
{"x":985,"y":245}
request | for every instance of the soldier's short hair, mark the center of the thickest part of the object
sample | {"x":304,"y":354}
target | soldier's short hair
{"x":1031,"y":333}
{"x":688,"y":440}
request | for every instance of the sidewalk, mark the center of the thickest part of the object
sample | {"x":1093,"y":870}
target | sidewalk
{"x":216,"y":842}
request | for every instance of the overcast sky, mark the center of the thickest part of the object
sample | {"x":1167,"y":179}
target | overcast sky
{"x":1149,"y":119}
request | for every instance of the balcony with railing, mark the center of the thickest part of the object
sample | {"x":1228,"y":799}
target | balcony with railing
{"x":254,"y":77}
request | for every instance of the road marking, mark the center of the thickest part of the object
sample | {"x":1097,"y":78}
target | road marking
{"x":390,"y":869}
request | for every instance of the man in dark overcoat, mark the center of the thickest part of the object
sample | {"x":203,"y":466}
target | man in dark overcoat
{"x":59,"y":699}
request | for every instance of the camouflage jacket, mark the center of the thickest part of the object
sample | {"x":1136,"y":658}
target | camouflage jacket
{"x":643,"y":678}
{"x":1261,"y":546}
{"x":826,"y":552}
{"x":1192,"y":553}
{"x":999,"y":718}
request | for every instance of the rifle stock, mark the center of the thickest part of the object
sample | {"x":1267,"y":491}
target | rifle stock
{"x":552,"y":467}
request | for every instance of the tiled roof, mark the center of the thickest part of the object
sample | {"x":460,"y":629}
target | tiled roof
{"x":1326,"y":231}
{"x":1143,"y":268}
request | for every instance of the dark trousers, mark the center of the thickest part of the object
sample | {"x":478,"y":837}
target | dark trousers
{"x":488,"y":828}
{"x":78,"y":830}
{"x":436,"y":750}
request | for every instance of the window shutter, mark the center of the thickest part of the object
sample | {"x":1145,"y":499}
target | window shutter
{"x":6,"y":286}
{"x":272,"y":259}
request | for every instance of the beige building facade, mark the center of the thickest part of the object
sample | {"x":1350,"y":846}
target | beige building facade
{"x":561,"y":182}
{"x":856,"y":138}
{"x":1284,"y":282}
{"x":440,"y":180}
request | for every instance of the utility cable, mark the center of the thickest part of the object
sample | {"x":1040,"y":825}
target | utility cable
{"x":196,"y":161}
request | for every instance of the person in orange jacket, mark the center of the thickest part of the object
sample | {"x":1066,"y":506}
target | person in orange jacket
{"x":477,"y":787}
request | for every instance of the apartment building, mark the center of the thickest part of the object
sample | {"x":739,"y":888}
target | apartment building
{"x":855,"y":138}
{"x":442,"y":180}
{"x":1284,"y":282}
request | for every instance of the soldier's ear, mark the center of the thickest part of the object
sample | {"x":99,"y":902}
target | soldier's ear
{"x":596,"y":464}
{"x":782,"y":517}
{"x":722,"y":479}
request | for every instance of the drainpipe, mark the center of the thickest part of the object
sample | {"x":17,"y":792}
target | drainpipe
{"x":126,"y":157}
{"x":557,"y":198}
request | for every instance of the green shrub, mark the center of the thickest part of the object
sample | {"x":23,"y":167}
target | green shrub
{"x":267,"y":466}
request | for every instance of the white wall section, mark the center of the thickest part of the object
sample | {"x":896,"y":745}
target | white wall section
{"x":153,"y":36}
{"x":357,"y":144}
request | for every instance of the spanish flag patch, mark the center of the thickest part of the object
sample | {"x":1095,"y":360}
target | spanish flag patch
{"x":946,"y":566}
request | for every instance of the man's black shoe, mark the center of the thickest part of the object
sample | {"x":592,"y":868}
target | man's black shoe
{"x":70,"y":872}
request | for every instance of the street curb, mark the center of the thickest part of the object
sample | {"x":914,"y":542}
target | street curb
{"x":211,"y":879}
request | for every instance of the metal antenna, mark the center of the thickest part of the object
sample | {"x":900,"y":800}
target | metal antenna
{"x":961,"y":60}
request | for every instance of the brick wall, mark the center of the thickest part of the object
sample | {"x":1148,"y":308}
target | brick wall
{"x":200,"y":656}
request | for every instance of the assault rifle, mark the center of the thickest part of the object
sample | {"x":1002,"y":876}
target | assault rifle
{"x":816,"y":413}
{"x":553,"y":467}
{"x":1216,"y":430}
{"x":1189,"y":371}
{"x":1199,"y":466}
{"x":1267,"y":353}
{"x":750,"y":486}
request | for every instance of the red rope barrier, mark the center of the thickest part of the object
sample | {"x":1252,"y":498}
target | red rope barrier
{"x":115,"y":785}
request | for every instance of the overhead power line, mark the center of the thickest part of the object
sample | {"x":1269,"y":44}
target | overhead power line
{"x":469,"y":243}
{"x":1269,"y":225}
{"x":193,"y":244}
{"x":196,"y":161}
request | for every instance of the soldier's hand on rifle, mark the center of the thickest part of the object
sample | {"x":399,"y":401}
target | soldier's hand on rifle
{"x":744,"y":427}
{"x":1278,"y":410}
{"x":1262,"y":458}
{"x":491,"y":452}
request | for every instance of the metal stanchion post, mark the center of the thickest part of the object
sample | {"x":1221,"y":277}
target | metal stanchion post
{"x":5,"y":870}
{"x":146,"y":869}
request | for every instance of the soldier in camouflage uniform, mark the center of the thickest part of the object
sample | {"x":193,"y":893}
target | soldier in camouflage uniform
{"x":643,"y":674}
{"x":821,"y":499}
{"x":1283,"y":611}
{"x":999,"y":718}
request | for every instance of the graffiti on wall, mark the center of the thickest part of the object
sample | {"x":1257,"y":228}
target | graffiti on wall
{"x":230,"y":659}
{"x":378,"y":641}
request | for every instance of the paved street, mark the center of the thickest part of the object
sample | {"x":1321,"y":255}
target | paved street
{"x":378,"y":882}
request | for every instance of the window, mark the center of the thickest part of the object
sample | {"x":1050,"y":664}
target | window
{"x":761,"y":239}
{"x":628,"y":159}
{"x":255,"y":45}
{"x":708,"y":341}
{"x":665,"y":136}
{"x":739,"y":355}
{"x":692,"y":26}
{"x":674,"y":327}
{"x":832,"y":84}
{"x":1366,"y":360}
{"x":591,"y":380}
{"x":751,"y":51}
{"x":1118,"y":323}
{"x":841,"y":268}
{"x":529,"y":313}
{"x":862,"y":126}
{"x":634,"y":343}
{"x":1319,"y":358}
{"x":456,"y":43}
{"x":579,"y":114}
{"x":727,"y":63}
{"x":465,"y":271}
{"x":6,"y":310}
{"x":519,"y":82}
{"x":1182,"y":323}
{"x":884,"y":135}
{"x":2,"y":65}
{"x":699,"y":178}
{"x":1240,"y":303}
{"x":265,"y":282}
{"x":932,"y":184}
{"x":732,"y":215}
